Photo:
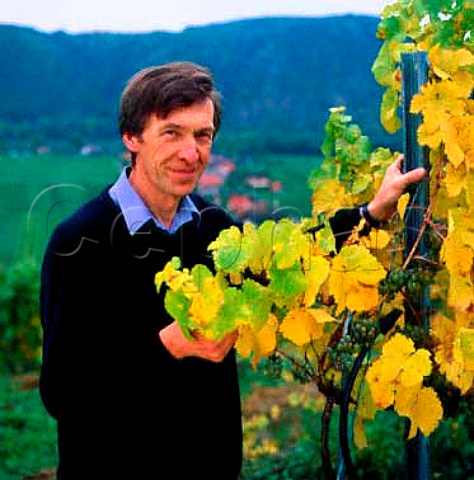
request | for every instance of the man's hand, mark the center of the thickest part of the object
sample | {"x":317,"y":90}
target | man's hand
{"x":394,"y":185}
{"x":179,"y":346}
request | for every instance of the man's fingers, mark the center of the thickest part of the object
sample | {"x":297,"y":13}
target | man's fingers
{"x":415,"y":175}
{"x":397,"y":164}
{"x":230,"y":339}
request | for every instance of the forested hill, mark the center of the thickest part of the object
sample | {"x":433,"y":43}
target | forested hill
{"x":278,"y":78}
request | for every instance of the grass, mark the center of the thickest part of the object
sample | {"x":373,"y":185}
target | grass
{"x":28,"y":433}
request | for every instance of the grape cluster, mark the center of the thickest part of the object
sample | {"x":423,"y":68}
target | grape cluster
{"x":342,"y":354}
{"x":420,"y":278}
{"x":395,"y":280}
{"x":412,"y":281}
{"x":274,"y":366}
{"x":302,"y":374}
{"x":362,"y":332}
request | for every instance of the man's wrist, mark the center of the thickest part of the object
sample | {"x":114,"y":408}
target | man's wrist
{"x":368,"y":217}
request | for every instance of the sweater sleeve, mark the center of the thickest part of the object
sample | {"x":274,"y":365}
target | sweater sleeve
{"x":342,"y":223}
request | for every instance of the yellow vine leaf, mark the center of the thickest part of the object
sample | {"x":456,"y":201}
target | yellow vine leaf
{"x":260,"y":343}
{"x":206,"y":303}
{"x":231,"y":250}
{"x":301,"y":326}
{"x":354,"y":277}
{"x":402,"y":204}
{"x":328,"y":194}
{"x":464,"y":347}
{"x":389,"y":111}
{"x":465,"y":134}
{"x":360,"y":438}
{"x":430,"y":134}
{"x":377,"y":239}
{"x":175,"y":278}
{"x":382,"y":68}
{"x":455,"y":180}
{"x":451,"y":365}
{"x":460,"y":293}
{"x":417,"y":366}
{"x":365,"y":411}
{"x":396,"y":378}
{"x":452,"y":145}
{"x":441,"y":103}
{"x":316,"y":274}
{"x":381,"y":388}
{"x":422,"y":406}
{"x":439,"y":100}
{"x":445,"y":63}
{"x":251,"y":236}
{"x":470,"y":190}
{"x":458,"y":257}
{"x":325,"y":243}
{"x":261,"y":240}
{"x":361,"y":183}
{"x":399,"y":368}
{"x":289,"y":244}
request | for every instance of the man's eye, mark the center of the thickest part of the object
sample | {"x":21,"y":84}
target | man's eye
{"x":170,"y":133}
{"x":204,"y":136}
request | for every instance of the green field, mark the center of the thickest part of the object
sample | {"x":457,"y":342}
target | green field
{"x":37,"y":191}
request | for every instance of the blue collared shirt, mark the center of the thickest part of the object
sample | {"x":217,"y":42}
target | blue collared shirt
{"x":136,"y":213}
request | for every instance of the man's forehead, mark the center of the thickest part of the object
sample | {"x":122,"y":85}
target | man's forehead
{"x":202,"y":113}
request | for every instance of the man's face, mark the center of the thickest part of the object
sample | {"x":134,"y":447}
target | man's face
{"x":172,"y":153}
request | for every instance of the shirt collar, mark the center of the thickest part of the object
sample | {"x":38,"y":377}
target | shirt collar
{"x":136,"y":213}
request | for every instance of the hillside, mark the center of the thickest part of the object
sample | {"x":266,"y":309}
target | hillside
{"x":278,"y":78}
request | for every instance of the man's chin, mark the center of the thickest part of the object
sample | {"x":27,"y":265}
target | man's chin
{"x":184,"y":189}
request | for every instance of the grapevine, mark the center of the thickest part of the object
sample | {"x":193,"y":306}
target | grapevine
{"x":334,"y":308}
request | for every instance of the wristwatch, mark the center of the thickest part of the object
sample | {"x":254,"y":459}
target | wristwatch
{"x":365,"y":214}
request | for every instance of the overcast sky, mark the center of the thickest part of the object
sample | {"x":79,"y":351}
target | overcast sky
{"x":172,"y":15}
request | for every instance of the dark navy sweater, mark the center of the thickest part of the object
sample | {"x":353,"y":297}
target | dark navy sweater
{"x":125,"y":408}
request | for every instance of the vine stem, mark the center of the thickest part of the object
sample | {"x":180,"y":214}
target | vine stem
{"x":325,"y":451}
{"x":343,"y":421}
{"x":303,"y":366}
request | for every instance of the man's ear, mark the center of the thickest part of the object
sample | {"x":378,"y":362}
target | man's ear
{"x":132,"y":142}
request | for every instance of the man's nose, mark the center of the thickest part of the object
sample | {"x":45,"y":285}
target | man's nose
{"x":189,"y":149}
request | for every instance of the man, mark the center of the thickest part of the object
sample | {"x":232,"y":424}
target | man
{"x":132,"y":397}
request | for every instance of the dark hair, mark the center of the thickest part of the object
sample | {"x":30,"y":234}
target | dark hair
{"x":161,"y":89}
